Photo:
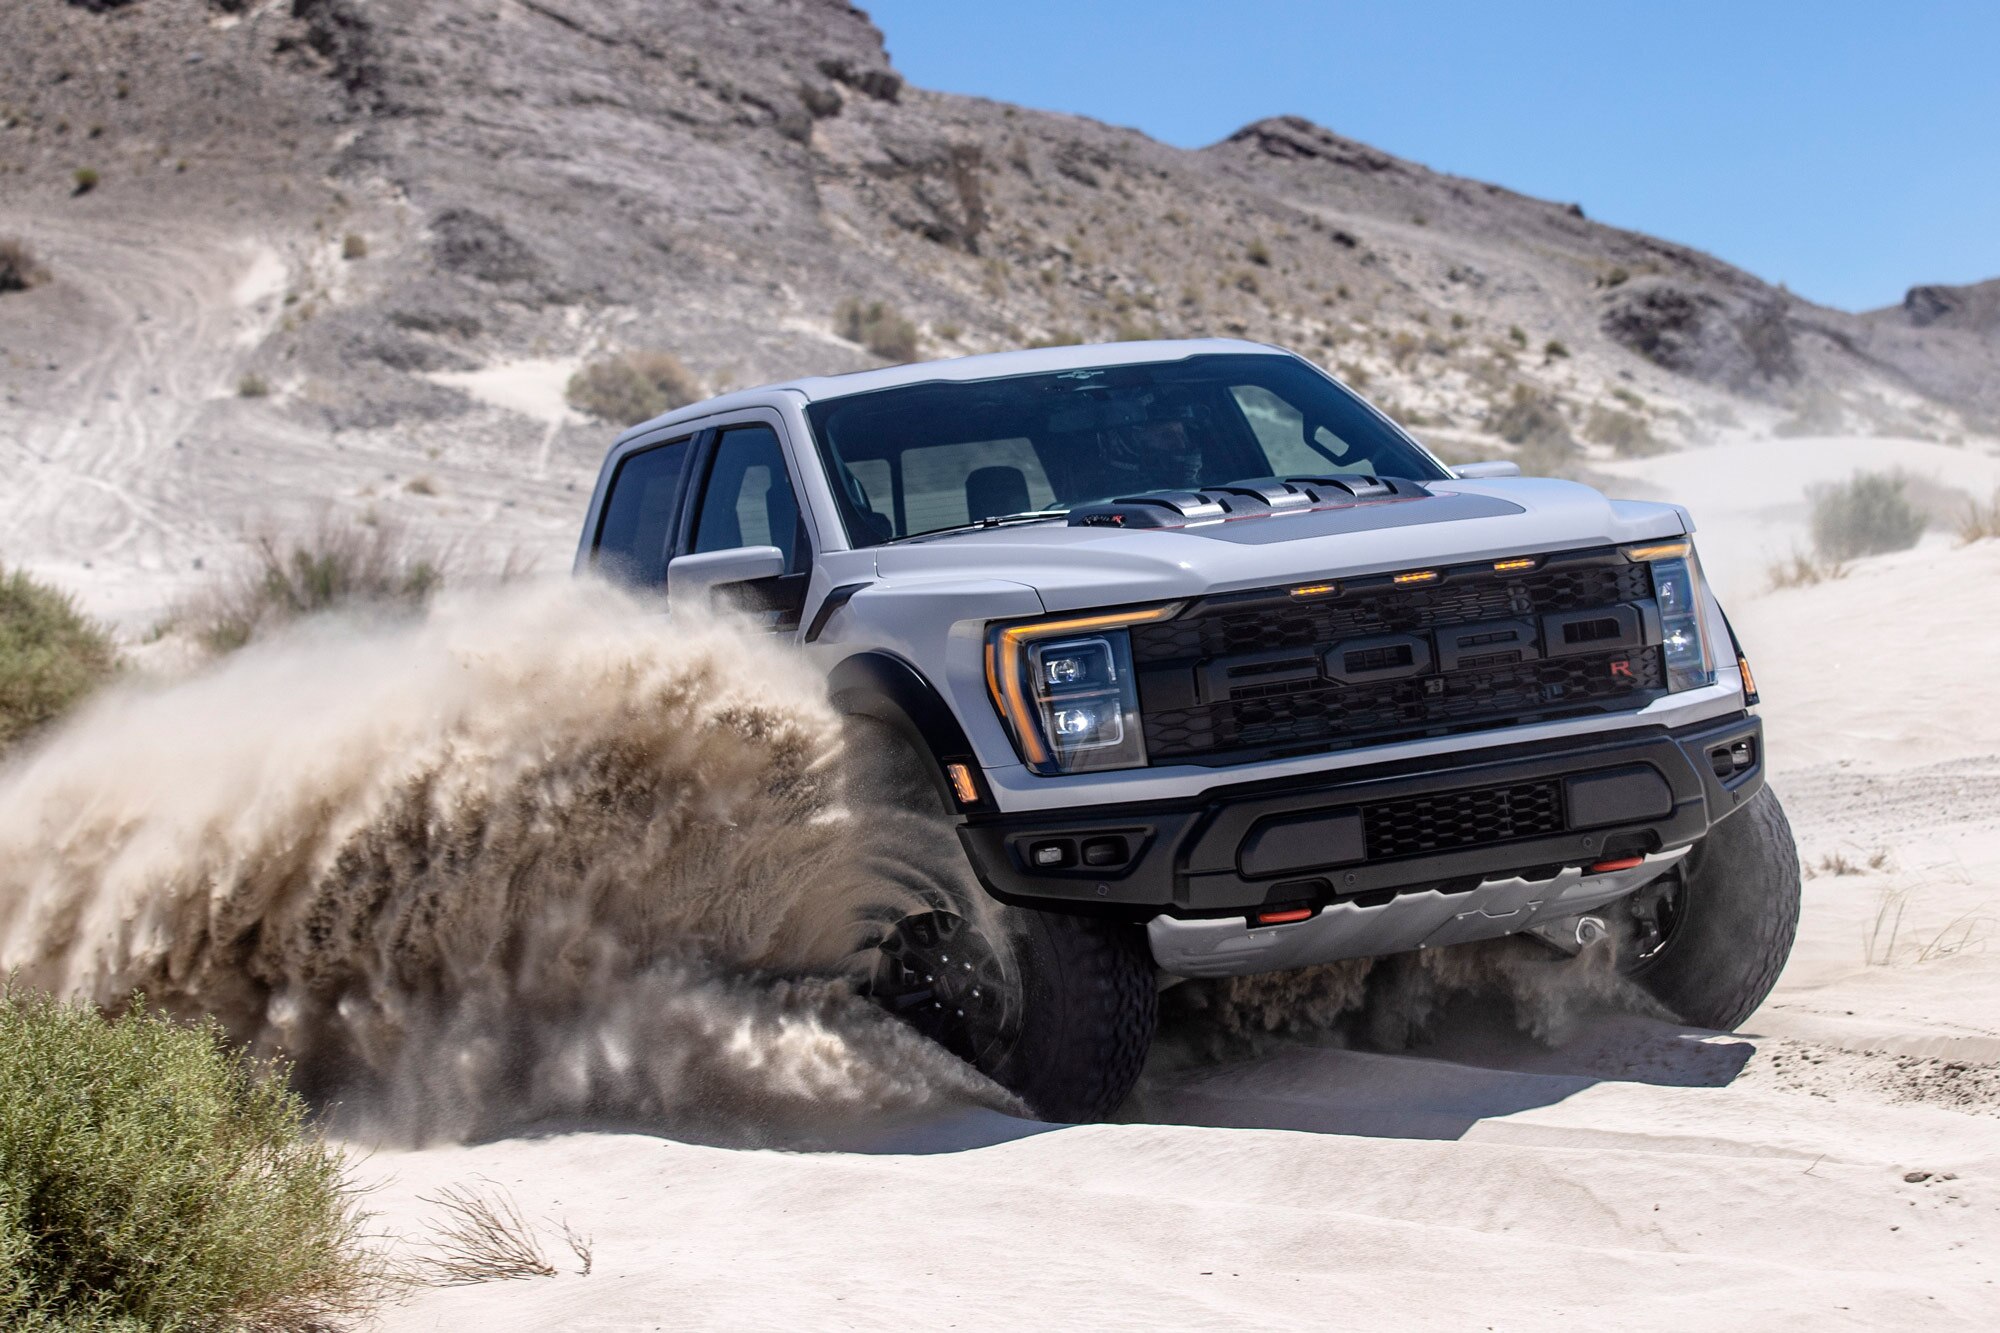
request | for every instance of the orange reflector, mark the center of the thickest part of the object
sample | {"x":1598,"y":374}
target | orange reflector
{"x":962,"y":785}
{"x":1289,"y":914}
{"x":1512,"y":566}
{"x":1749,"y":681}
{"x":1621,"y":863}
{"x":1315,"y":590}
{"x":1418,"y":576}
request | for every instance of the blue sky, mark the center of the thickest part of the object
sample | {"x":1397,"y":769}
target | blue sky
{"x":1847,"y":150}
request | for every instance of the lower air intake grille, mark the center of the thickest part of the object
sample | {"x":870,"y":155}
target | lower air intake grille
{"x":1420,"y":825}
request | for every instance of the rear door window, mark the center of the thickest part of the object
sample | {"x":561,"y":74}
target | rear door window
{"x":639,"y":511}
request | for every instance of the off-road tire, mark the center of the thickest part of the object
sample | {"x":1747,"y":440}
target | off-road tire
{"x":1090,"y":1005}
{"x":1737,"y":907}
{"x":1077,"y":1027}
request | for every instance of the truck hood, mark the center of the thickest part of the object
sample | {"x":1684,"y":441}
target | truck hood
{"x":1074,"y":568}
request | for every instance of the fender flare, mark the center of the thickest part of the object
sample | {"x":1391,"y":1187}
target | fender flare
{"x":889,"y":690}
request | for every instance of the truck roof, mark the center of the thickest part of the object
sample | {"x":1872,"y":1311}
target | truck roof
{"x":986,"y":366}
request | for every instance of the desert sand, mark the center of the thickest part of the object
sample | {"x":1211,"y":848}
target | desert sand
{"x":1835,"y":1164}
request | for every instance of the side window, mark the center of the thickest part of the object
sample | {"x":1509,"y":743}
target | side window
{"x":639,"y":513}
{"x":1281,"y":430}
{"x":749,"y":499}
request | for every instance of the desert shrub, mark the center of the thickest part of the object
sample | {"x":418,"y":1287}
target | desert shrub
{"x":335,"y":566}
{"x":1979,"y":522}
{"x":19,"y":268}
{"x":354,"y":246}
{"x":253,"y":385}
{"x":877,"y":326}
{"x":51,"y":656}
{"x":1531,"y":418}
{"x":1258,"y":253}
{"x":1555,"y":349}
{"x":1868,"y":514}
{"x":1803,"y":570}
{"x":1517,"y":335}
{"x":1626,"y":433}
{"x":151,"y":1178}
{"x":85,"y":179}
{"x":633,"y":387}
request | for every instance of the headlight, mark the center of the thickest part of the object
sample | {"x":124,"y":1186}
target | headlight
{"x":1677,"y":591}
{"x":1066,"y":691}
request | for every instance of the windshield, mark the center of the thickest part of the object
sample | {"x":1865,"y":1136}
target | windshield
{"x":931,"y":457}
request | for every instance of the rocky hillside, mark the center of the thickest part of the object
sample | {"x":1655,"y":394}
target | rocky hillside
{"x":355,"y":248}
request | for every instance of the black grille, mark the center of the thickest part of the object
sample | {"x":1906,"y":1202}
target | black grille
{"x":1239,"y":678}
{"x":1421,"y":825}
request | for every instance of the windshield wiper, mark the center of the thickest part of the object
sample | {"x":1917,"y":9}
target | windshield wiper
{"x":994,"y":521}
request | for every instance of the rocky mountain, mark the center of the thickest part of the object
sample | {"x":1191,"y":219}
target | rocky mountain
{"x":355,"y":248}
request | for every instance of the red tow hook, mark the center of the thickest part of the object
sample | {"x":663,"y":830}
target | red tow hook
{"x":1619,"y":863}
{"x":1284,"y":916}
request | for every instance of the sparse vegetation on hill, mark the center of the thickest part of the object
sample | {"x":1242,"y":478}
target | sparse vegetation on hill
{"x":1868,"y":514}
{"x":338,"y":566}
{"x":51,"y":656}
{"x":20,"y":269}
{"x":152,"y":1178}
{"x":877,"y":326}
{"x":1626,"y":432}
{"x":633,"y":387}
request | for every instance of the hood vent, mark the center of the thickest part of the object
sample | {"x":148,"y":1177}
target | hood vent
{"x":1243,"y":499}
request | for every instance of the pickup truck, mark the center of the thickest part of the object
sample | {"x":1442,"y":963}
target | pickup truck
{"x":1200,"y":666}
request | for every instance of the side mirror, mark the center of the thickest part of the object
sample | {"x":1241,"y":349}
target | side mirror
{"x":1481,"y":471}
{"x":697,"y":575}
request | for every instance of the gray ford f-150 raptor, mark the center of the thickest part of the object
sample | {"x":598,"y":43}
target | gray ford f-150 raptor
{"x":1215,"y":670}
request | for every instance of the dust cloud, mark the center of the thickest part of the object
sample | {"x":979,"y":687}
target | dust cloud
{"x":541,"y":854}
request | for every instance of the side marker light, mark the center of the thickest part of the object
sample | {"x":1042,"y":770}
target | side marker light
{"x":962,"y":785}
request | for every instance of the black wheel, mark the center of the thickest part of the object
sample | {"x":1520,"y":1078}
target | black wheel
{"x":1709,"y":939}
{"x":1057,"y":1009}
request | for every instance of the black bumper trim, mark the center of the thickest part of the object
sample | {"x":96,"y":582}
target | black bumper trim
{"x":1239,"y":848}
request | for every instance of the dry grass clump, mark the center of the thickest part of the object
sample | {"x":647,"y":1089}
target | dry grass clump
{"x":877,"y":326}
{"x":1532,"y":418}
{"x":253,"y":385}
{"x":354,"y":246}
{"x":633,"y":387}
{"x":335,"y":566}
{"x":484,"y":1238}
{"x":153,"y":1178}
{"x":20,"y":269}
{"x":1801,"y":569}
{"x":1979,"y":522}
{"x":51,"y":656}
{"x":1870,"y":513}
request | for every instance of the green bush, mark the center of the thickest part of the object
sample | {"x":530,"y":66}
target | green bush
{"x":1868,"y":514}
{"x":50,"y":656}
{"x":877,"y":326}
{"x":19,"y":268}
{"x":335,"y":566}
{"x":633,"y":387}
{"x":150,"y":1179}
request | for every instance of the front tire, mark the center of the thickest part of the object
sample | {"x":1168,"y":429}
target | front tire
{"x":1057,"y":1009}
{"x":1709,"y":940}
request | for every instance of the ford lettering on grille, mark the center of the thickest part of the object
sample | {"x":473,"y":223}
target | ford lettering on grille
{"x":1258,"y":675}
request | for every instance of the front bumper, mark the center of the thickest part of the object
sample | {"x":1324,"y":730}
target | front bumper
{"x":1526,"y":812}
